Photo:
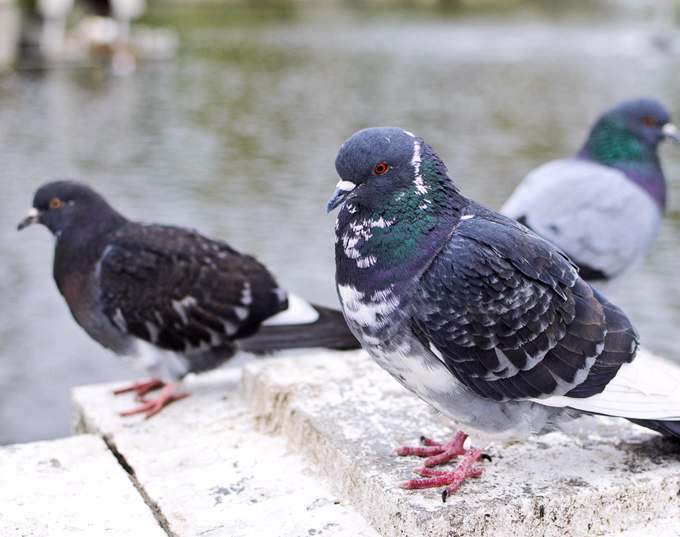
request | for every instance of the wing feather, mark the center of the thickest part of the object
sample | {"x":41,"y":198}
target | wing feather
{"x":513,"y":320}
{"x":181,"y":291}
{"x":646,"y":389}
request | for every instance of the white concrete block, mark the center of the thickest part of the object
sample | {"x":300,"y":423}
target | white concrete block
{"x":605,"y":476}
{"x":202,"y":462}
{"x":668,"y":527}
{"x":303,"y":446}
{"x":70,"y":487}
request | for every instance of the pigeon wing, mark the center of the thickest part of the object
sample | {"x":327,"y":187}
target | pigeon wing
{"x":507,"y":313}
{"x":592,"y":212}
{"x":181,"y":291}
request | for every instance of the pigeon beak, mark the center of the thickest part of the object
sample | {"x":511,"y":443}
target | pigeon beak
{"x":32,"y":217}
{"x":671,"y":131}
{"x":342,"y":189}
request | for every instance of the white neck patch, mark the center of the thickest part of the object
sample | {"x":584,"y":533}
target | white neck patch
{"x":361,"y":231}
{"x":415,"y":162}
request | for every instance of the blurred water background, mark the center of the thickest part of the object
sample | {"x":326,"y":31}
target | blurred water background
{"x":237,"y":138}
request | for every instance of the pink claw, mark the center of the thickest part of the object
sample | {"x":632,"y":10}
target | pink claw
{"x":435,"y":452}
{"x":140,"y":388}
{"x":452,"y":479}
{"x":151,"y":407}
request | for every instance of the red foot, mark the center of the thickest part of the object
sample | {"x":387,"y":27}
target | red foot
{"x":141,"y":388}
{"x":154,"y":406}
{"x":452,"y":479}
{"x":435,"y":452}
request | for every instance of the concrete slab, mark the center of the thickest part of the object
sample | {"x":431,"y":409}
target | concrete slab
{"x":303,"y":446}
{"x":669,"y":527}
{"x":70,"y":487}
{"x":347,"y":415}
{"x":209,"y":472}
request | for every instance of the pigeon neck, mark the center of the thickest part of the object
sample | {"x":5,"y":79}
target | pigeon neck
{"x":650,"y":178}
{"x":611,"y":144}
{"x":81,"y":242}
{"x":385,"y":244}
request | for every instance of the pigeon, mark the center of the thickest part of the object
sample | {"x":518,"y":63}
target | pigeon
{"x":171,"y":300}
{"x":602,"y":207}
{"x":476,"y":314}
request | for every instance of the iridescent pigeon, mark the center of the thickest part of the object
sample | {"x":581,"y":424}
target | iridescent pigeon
{"x":168,"y":298}
{"x":602,"y":207}
{"x":476,"y":314}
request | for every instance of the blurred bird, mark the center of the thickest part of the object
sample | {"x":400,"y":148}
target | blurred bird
{"x":108,"y":36}
{"x":121,"y":11}
{"x":477,"y":315}
{"x":603,"y":206}
{"x":171,"y":299}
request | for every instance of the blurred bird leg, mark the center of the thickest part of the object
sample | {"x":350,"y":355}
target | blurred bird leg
{"x":141,"y":388}
{"x":151,"y":407}
{"x":452,"y":479}
{"x":435,"y":452}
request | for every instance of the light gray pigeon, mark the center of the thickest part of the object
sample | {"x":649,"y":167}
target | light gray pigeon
{"x":602,"y":207}
{"x":476,"y":314}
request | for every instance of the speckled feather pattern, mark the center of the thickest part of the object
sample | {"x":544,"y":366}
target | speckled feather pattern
{"x":474,"y":313}
{"x":169,"y":299}
{"x":182,"y":292}
{"x":515,"y":326}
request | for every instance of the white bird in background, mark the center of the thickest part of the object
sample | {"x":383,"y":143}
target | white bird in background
{"x":53,"y":30}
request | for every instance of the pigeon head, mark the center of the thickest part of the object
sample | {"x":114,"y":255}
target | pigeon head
{"x":64,"y":205}
{"x":398,"y":204}
{"x":630,"y":132}
{"x":375,"y":162}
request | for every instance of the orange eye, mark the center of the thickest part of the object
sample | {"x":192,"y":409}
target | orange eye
{"x":381,"y":168}
{"x":55,"y":203}
{"x":648,"y":120}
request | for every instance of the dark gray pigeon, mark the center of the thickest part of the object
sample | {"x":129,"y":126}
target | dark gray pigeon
{"x":171,"y":299}
{"x":476,"y":314}
{"x":603,"y":206}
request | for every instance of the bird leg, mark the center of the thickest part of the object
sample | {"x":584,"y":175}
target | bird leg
{"x":151,"y":407}
{"x":435,"y":452}
{"x":141,"y":388}
{"x":453,"y":479}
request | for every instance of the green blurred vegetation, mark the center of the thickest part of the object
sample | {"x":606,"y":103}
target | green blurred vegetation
{"x":187,"y":15}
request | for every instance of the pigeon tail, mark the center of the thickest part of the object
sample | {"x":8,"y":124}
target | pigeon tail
{"x":303,"y":325}
{"x":665,"y":427}
{"x":645,"y":391}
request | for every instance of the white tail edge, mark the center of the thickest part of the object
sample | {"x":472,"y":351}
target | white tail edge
{"x":299,"y":311}
{"x":647,"y":388}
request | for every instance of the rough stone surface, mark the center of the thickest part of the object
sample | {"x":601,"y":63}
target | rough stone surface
{"x":70,"y":487}
{"x":669,"y":527}
{"x":211,"y":473}
{"x":606,"y":476}
{"x":303,"y":446}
